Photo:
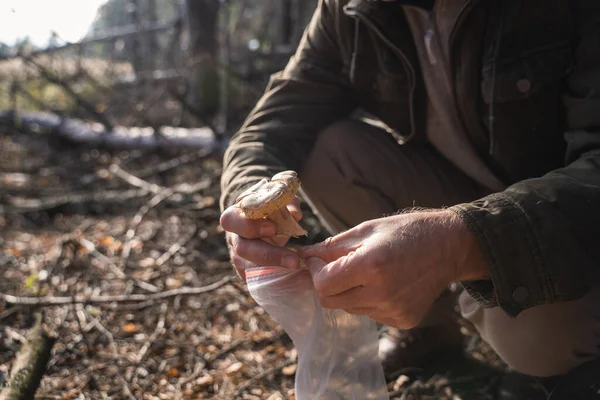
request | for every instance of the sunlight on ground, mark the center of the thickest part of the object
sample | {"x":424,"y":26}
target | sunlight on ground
{"x":70,"y":19}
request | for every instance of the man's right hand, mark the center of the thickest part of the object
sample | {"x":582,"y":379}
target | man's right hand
{"x":253,"y":242}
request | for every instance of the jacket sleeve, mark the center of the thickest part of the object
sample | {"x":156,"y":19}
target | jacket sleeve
{"x":541,"y":237}
{"x":310,"y":93}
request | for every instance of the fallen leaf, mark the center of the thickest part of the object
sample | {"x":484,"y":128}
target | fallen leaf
{"x":107,"y":241}
{"x":173,"y":373}
{"x":173,"y":283}
{"x":131,"y":328}
{"x":289,"y":370}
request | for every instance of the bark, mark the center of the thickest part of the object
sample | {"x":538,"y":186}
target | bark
{"x":202,"y":23}
{"x":29,"y":365}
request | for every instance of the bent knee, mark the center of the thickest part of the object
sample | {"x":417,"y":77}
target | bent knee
{"x":542,"y":341}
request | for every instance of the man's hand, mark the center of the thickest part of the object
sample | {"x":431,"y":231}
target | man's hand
{"x":392,"y":269}
{"x":254,"y":242}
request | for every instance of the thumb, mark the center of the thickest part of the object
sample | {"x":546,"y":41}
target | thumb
{"x":314,"y":265}
{"x":331,"y":248}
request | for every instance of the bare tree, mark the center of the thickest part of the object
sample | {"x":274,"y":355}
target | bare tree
{"x":202,"y":23}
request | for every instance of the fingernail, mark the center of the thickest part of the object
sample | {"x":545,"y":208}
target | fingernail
{"x":267,"y":229}
{"x":290,"y":262}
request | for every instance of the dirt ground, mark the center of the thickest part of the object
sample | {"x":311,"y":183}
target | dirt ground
{"x":75,"y":222}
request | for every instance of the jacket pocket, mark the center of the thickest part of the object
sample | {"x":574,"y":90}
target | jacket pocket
{"x":527,"y":74}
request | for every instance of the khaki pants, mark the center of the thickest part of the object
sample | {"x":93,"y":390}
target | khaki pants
{"x":357,"y":172}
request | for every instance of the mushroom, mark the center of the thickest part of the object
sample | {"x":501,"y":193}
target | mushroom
{"x":269,"y":198}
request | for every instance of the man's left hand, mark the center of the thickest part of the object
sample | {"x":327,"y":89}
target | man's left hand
{"x":392,"y":269}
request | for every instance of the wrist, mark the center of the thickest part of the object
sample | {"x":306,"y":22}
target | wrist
{"x":470,"y":263}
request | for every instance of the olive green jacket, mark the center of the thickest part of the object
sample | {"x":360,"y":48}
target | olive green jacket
{"x":527,"y":78}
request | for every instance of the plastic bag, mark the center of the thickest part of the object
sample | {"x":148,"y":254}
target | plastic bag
{"x":337,"y":351}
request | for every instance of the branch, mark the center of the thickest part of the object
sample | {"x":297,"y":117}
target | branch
{"x":176,"y":247}
{"x":58,"y":301}
{"x":29,"y":365}
{"x":18,"y":204}
{"x":83,"y":103}
{"x":108,"y":37}
{"x":93,"y":134}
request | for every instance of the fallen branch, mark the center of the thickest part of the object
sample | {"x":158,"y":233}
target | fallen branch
{"x":29,"y":365}
{"x":94,"y":134}
{"x":57,"y":301}
{"x":18,"y":204}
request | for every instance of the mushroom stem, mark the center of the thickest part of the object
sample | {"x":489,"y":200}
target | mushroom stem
{"x":286,"y":224}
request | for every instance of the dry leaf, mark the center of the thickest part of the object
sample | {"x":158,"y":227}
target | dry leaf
{"x":173,"y":373}
{"x":173,"y":283}
{"x":289,"y":370}
{"x":107,"y":241}
{"x":131,"y":328}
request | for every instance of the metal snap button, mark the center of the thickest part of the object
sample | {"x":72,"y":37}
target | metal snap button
{"x":520,"y":294}
{"x":524,"y":85}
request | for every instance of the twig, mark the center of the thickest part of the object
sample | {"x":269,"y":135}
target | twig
{"x":175,"y":248}
{"x":91,"y":247}
{"x":159,"y":330}
{"x":29,"y":205}
{"x":56,"y":301}
{"x":108,"y":36}
{"x":257,"y":377}
{"x":108,"y":125}
{"x":137,"y":219}
{"x":134,"y":180}
{"x":115,"y":353}
{"x":438,"y":385}
{"x":7,"y":313}
{"x":176,"y":162}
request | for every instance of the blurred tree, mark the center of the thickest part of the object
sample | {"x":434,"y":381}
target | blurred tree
{"x":202,"y":18}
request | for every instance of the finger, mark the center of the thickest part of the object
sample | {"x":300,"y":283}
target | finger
{"x":262,"y":253}
{"x":354,"y":298}
{"x":361,"y":297}
{"x":393,"y":322}
{"x":233,"y":220}
{"x":295,"y":209}
{"x":338,"y":276}
{"x":331,"y":248}
{"x":368,"y":311}
{"x":240,"y":265}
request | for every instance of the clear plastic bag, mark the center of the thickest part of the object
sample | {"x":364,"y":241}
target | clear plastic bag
{"x":337,"y":351}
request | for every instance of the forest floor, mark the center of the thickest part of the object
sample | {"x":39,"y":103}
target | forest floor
{"x":80,"y":221}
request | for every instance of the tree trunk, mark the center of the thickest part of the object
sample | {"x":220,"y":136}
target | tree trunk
{"x":202,"y":23}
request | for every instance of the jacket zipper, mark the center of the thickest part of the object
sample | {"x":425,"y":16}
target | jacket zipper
{"x":365,"y":20}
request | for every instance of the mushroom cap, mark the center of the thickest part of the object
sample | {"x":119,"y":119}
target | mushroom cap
{"x":268,"y":196}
